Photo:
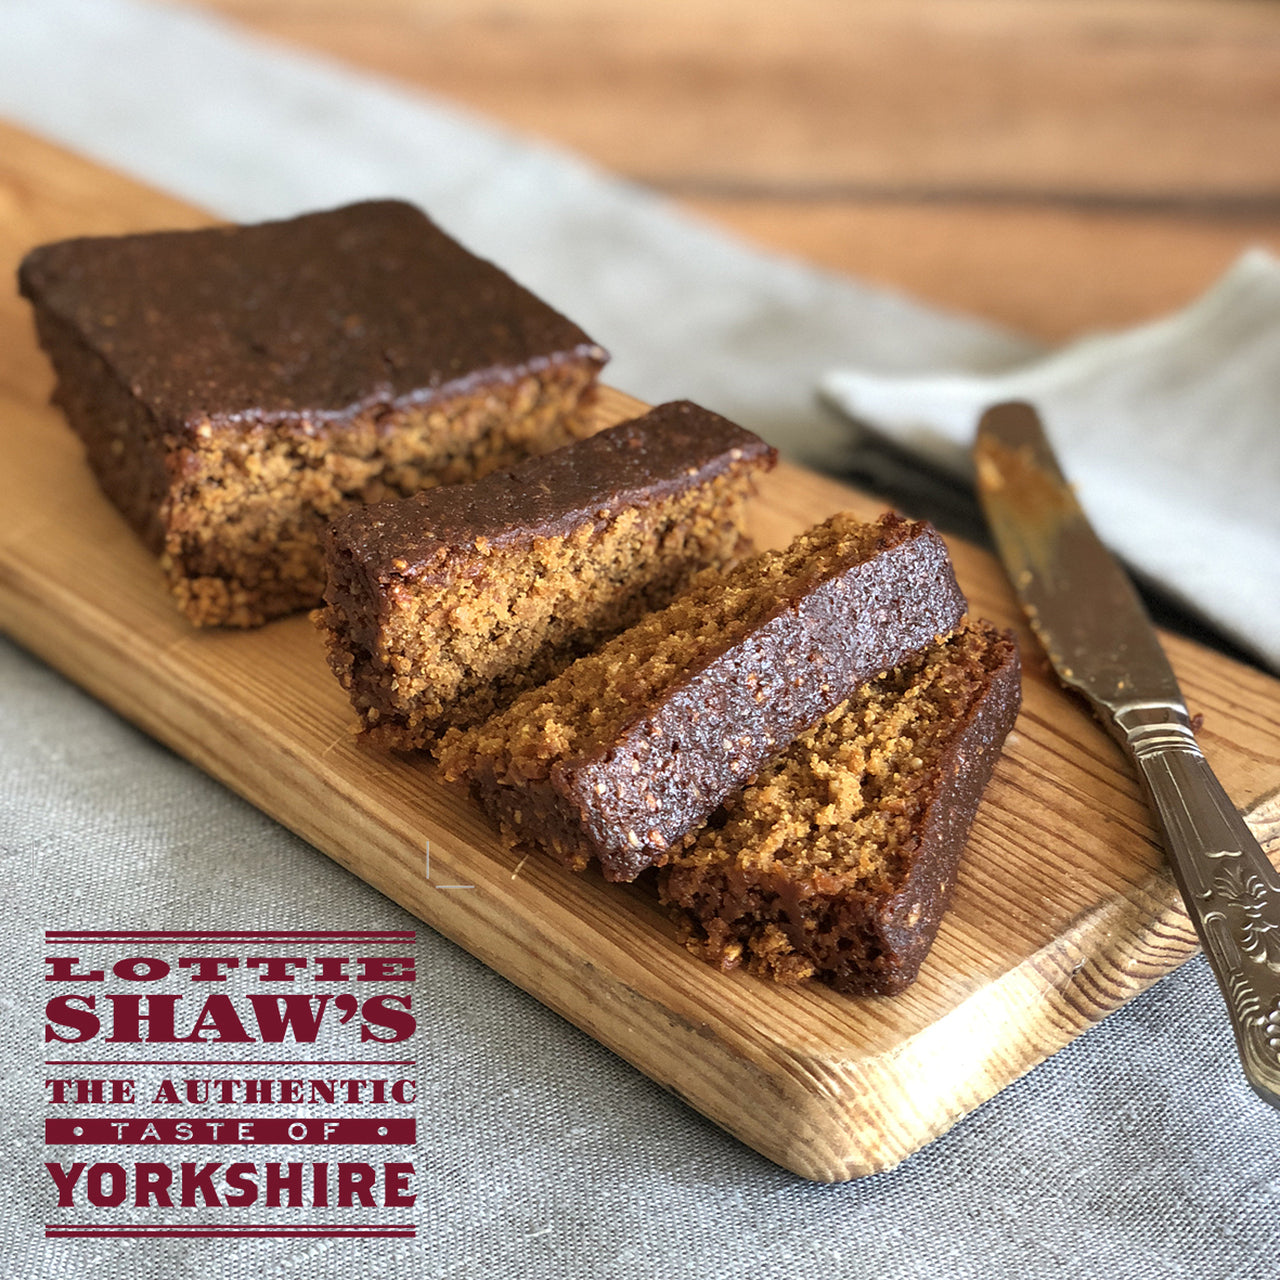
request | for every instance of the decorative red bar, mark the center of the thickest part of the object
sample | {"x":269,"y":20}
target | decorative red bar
{"x":59,"y":1231}
{"x":242,"y":935}
{"x":229,"y":1062}
{"x":230,"y":1131}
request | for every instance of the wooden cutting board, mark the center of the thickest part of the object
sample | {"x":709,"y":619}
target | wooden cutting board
{"x":1061,"y":913}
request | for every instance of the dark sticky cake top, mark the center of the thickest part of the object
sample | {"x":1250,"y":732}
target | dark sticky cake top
{"x":320,"y":315}
{"x":670,"y":448}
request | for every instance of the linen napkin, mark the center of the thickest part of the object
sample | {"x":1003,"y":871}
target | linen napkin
{"x":1170,"y":432}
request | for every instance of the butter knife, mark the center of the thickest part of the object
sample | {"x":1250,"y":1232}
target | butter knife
{"x":1086,"y":613}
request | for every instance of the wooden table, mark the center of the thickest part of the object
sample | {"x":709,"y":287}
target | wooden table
{"x":1056,"y":165}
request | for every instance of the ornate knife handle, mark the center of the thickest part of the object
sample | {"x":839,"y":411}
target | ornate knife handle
{"x":1231,"y":890}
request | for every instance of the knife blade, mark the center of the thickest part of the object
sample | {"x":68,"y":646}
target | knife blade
{"x":1087,"y":615}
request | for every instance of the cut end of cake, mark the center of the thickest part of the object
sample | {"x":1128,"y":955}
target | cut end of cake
{"x":837,"y":860}
{"x":243,"y":528}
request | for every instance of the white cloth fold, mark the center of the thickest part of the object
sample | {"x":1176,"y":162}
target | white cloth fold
{"x":1169,"y":430}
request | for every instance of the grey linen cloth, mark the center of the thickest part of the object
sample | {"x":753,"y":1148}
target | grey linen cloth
{"x":1138,"y":1151}
{"x":1168,"y":430}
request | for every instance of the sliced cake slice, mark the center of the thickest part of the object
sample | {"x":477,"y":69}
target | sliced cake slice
{"x":636,"y":744}
{"x":837,"y":860}
{"x":443,"y":607}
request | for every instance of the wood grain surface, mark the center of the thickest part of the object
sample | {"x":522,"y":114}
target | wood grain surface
{"x":1062,"y":910}
{"x":1056,"y":165}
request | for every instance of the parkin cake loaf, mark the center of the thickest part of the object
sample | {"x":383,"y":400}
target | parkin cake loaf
{"x":236,"y":386}
{"x":442,"y":607}
{"x":837,"y":860}
{"x":634,"y":745}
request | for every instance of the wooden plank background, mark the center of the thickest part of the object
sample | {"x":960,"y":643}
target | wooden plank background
{"x":1055,"y":165}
